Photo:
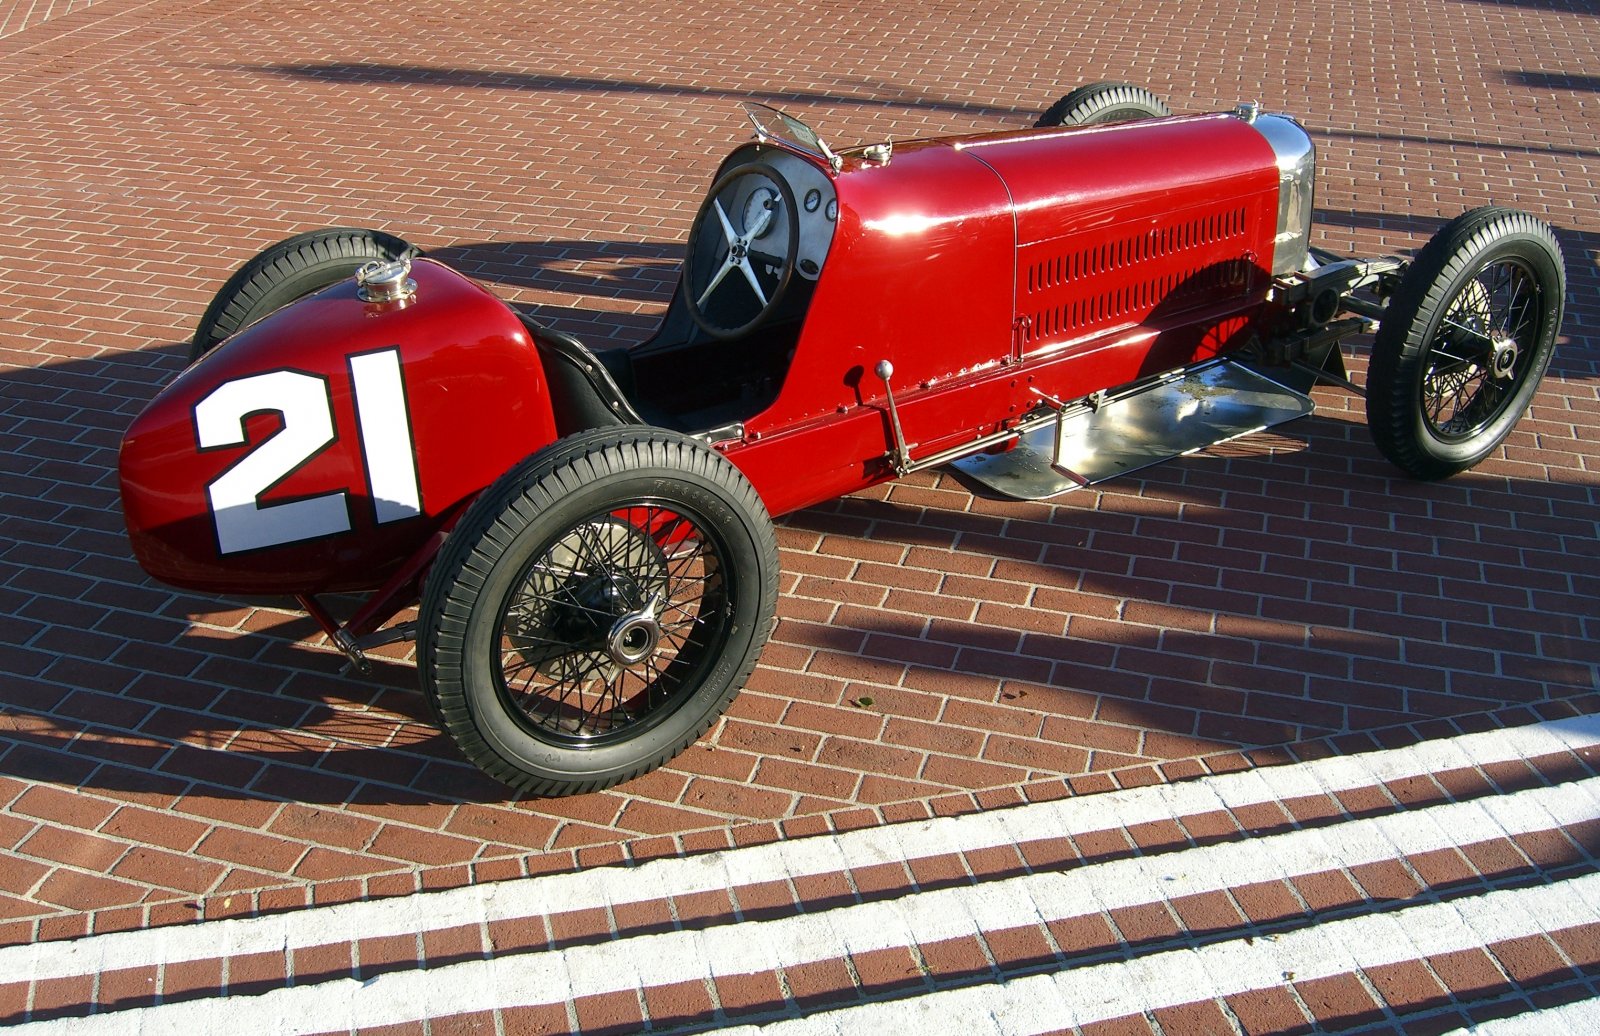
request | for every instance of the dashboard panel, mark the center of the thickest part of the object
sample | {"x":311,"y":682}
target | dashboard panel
{"x":817,"y":204}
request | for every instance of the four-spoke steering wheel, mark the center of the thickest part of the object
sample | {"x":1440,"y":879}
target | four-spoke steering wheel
{"x":747,"y":208}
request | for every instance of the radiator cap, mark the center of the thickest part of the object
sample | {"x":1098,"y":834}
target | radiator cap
{"x":386,"y":281}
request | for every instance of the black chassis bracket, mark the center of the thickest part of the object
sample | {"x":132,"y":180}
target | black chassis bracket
{"x":1328,"y":288}
{"x":1324,"y":308}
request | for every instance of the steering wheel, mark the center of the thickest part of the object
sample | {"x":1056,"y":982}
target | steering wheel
{"x":747,"y":207}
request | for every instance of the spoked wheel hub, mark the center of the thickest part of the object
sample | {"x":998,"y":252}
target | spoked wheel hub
{"x":1476,"y":360}
{"x":607,"y":622}
{"x":635,"y":636}
{"x":587,"y":610}
{"x":607,"y":611}
{"x":1503,"y":357}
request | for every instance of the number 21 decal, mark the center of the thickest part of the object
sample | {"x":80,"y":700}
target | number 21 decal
{"x":242,"y":521}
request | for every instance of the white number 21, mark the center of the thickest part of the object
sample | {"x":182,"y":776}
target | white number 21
{"x":243,"y":522}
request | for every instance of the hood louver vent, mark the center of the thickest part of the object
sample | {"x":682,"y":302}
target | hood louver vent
{"x":1179,"y":265}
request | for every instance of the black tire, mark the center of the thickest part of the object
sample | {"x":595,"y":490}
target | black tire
{"x":1465,"y":340}
{"x":1100,"y":103}
{"x":288,"y":270}
{"x":597,"y":609}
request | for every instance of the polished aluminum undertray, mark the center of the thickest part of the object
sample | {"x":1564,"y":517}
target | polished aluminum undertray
{"x":1180,"y":414}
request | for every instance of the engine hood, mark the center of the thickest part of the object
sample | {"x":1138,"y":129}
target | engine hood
{"x":955,"y":256}
{"x":1082,"y":179}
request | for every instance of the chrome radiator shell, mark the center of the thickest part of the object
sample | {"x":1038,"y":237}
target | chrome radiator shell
{"x":1296,"y":173}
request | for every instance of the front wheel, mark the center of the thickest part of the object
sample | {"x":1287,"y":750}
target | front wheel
{"x":1099,"y":104}
{"x":597,"y":609}
{"x":1465,"y":341}
{"x":289,"y":270}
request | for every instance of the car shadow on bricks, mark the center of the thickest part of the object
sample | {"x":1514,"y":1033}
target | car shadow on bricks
{"x":857,"y":93}
{"x":636,"y":271}
{"x":1216,"y":601}
{"x":1573,"y":81}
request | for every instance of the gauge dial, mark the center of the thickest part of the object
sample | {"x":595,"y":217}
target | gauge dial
{"x":759,"y":210}
{"x":813,"y":200}
{"x":833,"y":209}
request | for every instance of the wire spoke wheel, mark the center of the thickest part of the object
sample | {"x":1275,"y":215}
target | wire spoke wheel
{"x":1465,"y":341}
{"x":597,"y":609}
{"x":1476,"y":359}
{"x":606,"y":627}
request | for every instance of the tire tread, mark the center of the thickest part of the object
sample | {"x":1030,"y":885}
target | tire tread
{"x":1081,"y":106}
{"x":562,"y":468}
{"x":315,"y":259}
{"x":1399,"y":346}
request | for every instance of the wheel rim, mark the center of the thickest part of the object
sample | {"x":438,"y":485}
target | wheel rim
{"x":612,"y":623}
{"x":1482,"y":350}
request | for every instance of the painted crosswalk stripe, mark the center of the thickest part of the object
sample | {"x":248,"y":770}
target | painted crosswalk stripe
{"x":1576,"y":1019}
{"x":923,"y":918}
{"x":1119,"y":989}
{"x":609,"y":887}
{"x":1037,"y":1003}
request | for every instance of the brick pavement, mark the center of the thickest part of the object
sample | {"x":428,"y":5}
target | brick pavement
{"x":1408,"y":888}
{"x":165,"y":755}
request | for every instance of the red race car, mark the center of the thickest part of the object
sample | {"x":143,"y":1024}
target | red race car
{"x":589,"y":533}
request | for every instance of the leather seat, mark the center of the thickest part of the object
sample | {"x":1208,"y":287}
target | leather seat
{"x":584,"y":391}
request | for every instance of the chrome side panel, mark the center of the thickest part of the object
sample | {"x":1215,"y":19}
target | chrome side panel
{"x":1296,"y":173}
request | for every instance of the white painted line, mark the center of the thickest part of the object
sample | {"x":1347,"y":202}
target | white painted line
{"x":928,"y":917}
{"x":1119,"y":989}
{"x":1037,"y":1003}
{"x":1580,"y":1018}
{"x":775,"y":860}
{"x":826,"y":854}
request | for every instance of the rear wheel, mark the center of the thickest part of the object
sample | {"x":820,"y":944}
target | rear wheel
{"x":1465,"y":341}
{"x":287,"y":271}
{"x":597,"y":609}
{"x":1100,"y":103}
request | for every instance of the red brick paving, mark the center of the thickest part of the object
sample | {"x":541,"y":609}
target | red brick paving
{"x":1542,"y":968}
{"x":162,"y":749}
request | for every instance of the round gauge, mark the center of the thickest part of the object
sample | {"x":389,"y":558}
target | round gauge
{"x":758,"y":211}
{"x":833,"y":208}
{"x":813,"y":199}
